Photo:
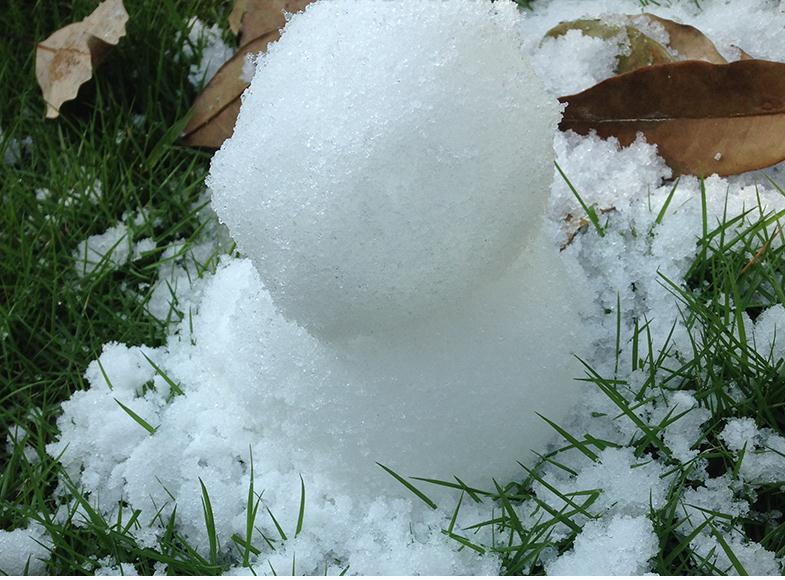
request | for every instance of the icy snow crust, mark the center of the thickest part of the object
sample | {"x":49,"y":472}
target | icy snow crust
{"x":216,"y":360}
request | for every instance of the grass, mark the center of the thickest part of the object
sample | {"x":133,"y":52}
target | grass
{"x":123,"y":132}
{"x":738,"y":270}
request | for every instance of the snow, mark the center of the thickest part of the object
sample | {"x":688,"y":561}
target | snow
{"x":113,"y":248}
{"x":587,"y":61}
{"x":620,"y":546}
{"x":23,"y":548}
{"x":320,"y":352}
{"x":768,"y":337}
{"x":109,"y":568}
{"x":13,"y":148}
{"x":764,"y":451}
{"x":206,"y":43}
{"x":18,"y":437}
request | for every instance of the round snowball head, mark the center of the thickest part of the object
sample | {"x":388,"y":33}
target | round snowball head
{"x":389,"y":159}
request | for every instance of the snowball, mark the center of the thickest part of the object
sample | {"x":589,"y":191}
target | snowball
{"x":620,"y":546}
{"x":390,"y":158}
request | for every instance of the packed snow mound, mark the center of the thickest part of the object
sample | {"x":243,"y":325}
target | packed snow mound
{"x":388,"y":178}
{"x":390,"y":158}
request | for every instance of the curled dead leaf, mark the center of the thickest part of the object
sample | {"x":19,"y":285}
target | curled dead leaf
{"x":704,"y":118}
{"x":684,"y":42}
{"x":66,"y":60}
{"x":742,"y":54}
{"x":255,"y":18}
{"x":688,"y":41}
{"x":236,"y":15}
{"x":215,"y":111}
{"x":641,"y":50}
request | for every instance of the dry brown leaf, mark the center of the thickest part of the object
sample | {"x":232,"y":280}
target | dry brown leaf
{"x":255,"y":18}
{"x":236,"y":15}
{"x":742,"y":54}
{"x":643,"y":51}
{"x":66,"y":60}
{"x":215,"y":110}
{"x":704,"y":118}
{"x":688,"y":41}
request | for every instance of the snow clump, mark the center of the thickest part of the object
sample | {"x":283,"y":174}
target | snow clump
{"x":207,"y":43}
{"x":24,"y":549}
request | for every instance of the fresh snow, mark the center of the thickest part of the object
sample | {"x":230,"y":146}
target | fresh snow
{"x":113,"y":248}
{"x":24,"y":549}
{"x":206,"y":44}
{"x":316,"y":403}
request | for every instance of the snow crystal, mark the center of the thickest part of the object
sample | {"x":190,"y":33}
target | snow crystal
{"x":23,"y":547}
{"x":206,"y":42}
{"x":619,"y":546}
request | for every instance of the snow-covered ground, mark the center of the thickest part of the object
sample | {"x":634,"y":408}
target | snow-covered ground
{"x":240,"y":378}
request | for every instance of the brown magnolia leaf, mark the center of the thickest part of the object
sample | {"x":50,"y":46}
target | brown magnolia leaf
{"x":688,"y":41}
{"x":704,"y":118}
{"x":643,"y":51}
{"x":236,"y":15}
{"x":216,"y":109}
{"x":66,"y":60}
{"x":255,"y":18}
{"x":742,"y":54}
